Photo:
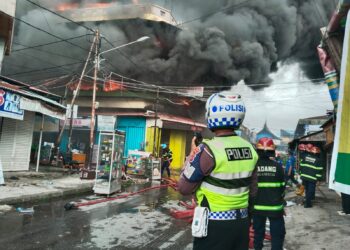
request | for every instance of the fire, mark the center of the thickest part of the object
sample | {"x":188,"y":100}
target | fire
{"x":73,"y":6}
{"x":67,"y":6}
{"x":101,"y":5}
{"x":111,"y":85}
{"x":97,"y":5}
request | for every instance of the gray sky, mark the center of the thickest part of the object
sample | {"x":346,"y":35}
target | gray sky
{"x":290,"y":97}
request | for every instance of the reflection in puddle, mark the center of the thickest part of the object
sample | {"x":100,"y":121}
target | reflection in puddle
{"x":130,"y":229}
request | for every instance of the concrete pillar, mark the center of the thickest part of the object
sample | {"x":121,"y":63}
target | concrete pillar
{"x":2,"y":51}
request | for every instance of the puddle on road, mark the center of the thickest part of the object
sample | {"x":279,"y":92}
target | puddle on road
{"x":129,"y":229}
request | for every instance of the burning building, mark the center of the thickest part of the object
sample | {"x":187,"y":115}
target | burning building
{"x":107,"y":11}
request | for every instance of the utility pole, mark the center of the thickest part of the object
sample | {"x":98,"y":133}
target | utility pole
{"x":93,"y":106}
{"x":155,"y":148}
{"x":75,"y":94}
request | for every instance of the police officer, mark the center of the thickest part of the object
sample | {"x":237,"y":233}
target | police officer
{"x":222,"y":174}
{"x":269,"y":202}
{"x":310,"y":172}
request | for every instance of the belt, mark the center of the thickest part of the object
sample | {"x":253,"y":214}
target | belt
{"x":229,"y":215}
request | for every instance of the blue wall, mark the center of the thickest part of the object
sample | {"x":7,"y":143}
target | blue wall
{"x":135,"y":129}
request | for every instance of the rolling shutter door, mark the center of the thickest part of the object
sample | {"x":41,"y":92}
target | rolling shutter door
{"x":16,"y":142}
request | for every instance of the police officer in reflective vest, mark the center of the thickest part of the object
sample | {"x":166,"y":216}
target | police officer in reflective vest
{"x":310,"y":172}
{"x":221,"y":173}
{"x":269,"y":202}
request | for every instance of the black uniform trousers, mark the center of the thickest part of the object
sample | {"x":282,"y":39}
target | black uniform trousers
{"x":310,"y":189}
{"x":277,"y":231}
{"x":165,"y":166}
{"x":225,"y":235}
{"x":345,"y":198}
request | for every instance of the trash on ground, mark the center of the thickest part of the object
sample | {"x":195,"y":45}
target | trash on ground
{"x":29,"y":210}
{"x":342,"y":213}
{"x":5,"y":208}
{"x":290,"y":203}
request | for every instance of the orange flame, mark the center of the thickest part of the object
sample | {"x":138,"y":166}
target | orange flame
{"x":111,"y":85}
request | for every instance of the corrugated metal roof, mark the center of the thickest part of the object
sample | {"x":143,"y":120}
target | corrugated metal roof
{"x":21,"y":91}
{"x":28,"y":86}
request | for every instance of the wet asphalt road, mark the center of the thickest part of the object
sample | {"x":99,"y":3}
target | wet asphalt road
{"x":137,"y":222}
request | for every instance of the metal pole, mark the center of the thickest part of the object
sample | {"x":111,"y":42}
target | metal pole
{"x":75,"y":94}
{"x":155,"y":151}
{"x":40,"y":139}
{"x":93,"y":106}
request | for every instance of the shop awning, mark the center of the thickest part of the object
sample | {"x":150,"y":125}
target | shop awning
{"x":180,"y":122}
{"x":34,"y":102}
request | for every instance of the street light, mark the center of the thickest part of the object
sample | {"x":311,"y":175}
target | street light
{"x":141,"y":39}
{"x":97,"y":68}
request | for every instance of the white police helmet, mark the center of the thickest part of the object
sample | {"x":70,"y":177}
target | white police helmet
{"x":225,"y":110}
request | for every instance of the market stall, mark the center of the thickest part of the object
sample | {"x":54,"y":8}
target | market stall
{"x":142,"y":164}
{"x":109,"y":162}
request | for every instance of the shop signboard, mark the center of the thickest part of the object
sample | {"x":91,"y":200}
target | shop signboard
{"x":10,"y":105}
{"x":339,"y":178}
{"x":75,"y":111}
{"x":79,"y":123}
{"x":106,"y":123}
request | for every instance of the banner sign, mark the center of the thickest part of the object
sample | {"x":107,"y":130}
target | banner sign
{"x":83,"y":123}
{"x":106,"y":123}
{"x":339,"y":178}
{"x":10,"y":105}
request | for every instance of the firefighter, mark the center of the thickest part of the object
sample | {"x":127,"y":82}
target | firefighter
{"x":167,"y":158}
{"x":310,"y":173}
{"x":302,"y":151}
{"x":269,"y":202}
{"x":222,"y":174}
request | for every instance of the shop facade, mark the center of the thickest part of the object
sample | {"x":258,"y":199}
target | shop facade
{"x":18,"y":108}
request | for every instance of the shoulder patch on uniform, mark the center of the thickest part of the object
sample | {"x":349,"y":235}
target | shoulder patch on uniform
{"x":234,"y":154}
{"x":189,"y":170}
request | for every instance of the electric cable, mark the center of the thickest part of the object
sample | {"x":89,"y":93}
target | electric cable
{"x":45,"y":51}
{"x":66,"y":18}
{"x":45,"y":69}
{"x":215,"y":12}
{"x":46,"y":44}
{"x":48,"y":33}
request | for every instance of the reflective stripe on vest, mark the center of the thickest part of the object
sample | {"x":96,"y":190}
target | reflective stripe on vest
{"x":224,"y":191}
{"x":227,"y":186}
{"x":268,"y":208}
{"x":270,"y":184}
{"x":231,"y":176}
{"x":309,"y":176}
{"x":310,"y":166}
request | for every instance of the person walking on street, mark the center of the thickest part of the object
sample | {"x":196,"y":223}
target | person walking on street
{"x":221,"y":173}
{"x":167,"y":158}
{"x":310,"y":173}
{"x":269,"y":202}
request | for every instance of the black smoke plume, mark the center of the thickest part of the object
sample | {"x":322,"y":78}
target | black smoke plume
{"x":223,"y":42}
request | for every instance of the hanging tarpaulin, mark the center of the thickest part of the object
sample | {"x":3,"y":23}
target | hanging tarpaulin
{"x":340,"y":166}
{"x":330,"y":74}
{"x":338,"y":16}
